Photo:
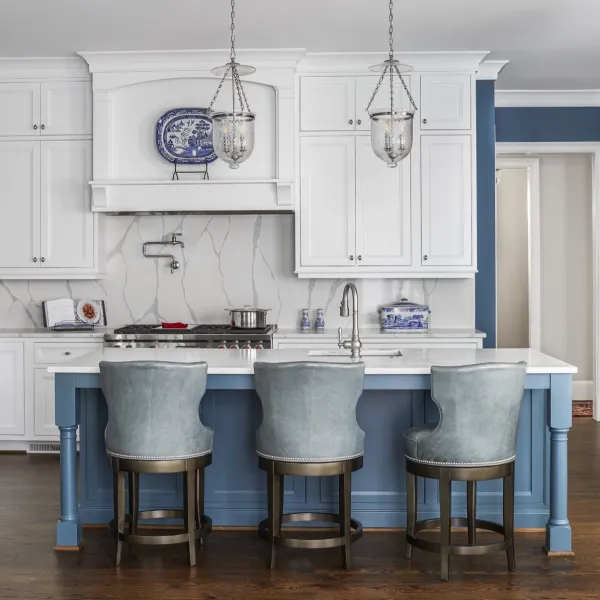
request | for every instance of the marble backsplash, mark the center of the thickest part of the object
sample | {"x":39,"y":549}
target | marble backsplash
{"x":228,"y":261}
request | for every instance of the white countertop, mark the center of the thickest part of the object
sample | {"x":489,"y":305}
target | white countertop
{"x":47,"y":333}
{"x":240,"y":362}
{"x":375,"y":333}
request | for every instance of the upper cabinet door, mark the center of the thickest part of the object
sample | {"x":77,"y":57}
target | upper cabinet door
{"x":67,"y":223}
{"x":19,"y":109}
{"x":446,"y":200}
{"x":365,"y":86}
{"x":382,"y":209}
{"x":327,"y":104}
{"x":66,"y":108}
{"x":445,"y":102}
{"x":327,"y":221}
{"x":20,"y":205}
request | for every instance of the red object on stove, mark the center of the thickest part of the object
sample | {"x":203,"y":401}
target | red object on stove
{"x":174,"y":325}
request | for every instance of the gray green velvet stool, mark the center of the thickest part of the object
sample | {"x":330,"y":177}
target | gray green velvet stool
{"x":475,"y":440}
{"x":309,"y":429}
{"x":154,"y":426}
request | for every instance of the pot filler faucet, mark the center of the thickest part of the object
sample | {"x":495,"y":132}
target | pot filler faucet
{"x":354,"y":344}
{"x":172,"y":242}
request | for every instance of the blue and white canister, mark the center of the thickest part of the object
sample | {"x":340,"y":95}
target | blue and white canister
{"x":320,"y":320}
{"x":305,"y":322}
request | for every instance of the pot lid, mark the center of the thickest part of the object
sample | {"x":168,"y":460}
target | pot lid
{"x":248,"y":308}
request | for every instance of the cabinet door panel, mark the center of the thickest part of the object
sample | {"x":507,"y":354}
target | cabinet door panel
{"x":67,"y":223}
{"x":19,"y":108}
{"x":445,"y":102}
{"x":327,"y":104}
{"x":20,"y":202}
{"x":446,"y":200}
{"x":365,"y":86}
{"x":12,"y":389}
{"x":66,"y":108}
{"x":44,"y":404}
{"x":382,"y":209}
{"x":327,"y":201}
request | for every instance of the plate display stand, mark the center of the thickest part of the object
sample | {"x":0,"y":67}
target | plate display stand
{"x":178,"y":171}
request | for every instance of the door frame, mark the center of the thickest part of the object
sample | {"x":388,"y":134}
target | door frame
{"x":532,"y":165}
{"x":594,"y":150}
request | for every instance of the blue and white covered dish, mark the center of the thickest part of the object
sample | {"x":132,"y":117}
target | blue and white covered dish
{"x":404,"y":315}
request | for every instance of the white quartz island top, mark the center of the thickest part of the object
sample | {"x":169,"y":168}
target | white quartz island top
{"x":241,"y":362}
{"x":378,"y":334}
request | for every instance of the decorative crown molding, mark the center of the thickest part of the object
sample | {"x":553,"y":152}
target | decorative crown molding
{"x":547,"y":98}
{"x":490,"y":69}
{"x":43,"y":68}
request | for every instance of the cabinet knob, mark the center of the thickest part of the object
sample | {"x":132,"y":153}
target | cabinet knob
{"x":42,"y":259}
{"x":35,"y":126}
{"x":359,"y":121}
{"x":42,"y":127}
{"x":351,"y":257}
{"x":35,"y":259}
{"x":359,"y":257}
{"x":424,"y":121}
{"x":425,"y":257}
{"x":67,"y":353}
{"x":351,"y":121}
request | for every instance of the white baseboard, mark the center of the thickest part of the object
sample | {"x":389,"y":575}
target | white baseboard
{"x":583,"y":390}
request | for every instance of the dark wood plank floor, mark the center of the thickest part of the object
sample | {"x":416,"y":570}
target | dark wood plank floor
{"x":233,"y":564}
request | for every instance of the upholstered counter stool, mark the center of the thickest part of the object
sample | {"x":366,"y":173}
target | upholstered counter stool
{"x":154,"y":426}
{"x":309,"y":429}
{"x":475,"y":440}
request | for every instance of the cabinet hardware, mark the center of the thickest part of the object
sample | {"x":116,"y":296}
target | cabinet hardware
{"x":359,"y":121}
{"x":351,"y":121}
{"x":359,"y":257}
{"x":67,"y":353}
{"x":424,"y":121}
{"x":425,"y":257}
{"x":42,"y":259}
{"x":35,"y":259}
{"x":42,"y":127}
{"x":351,"y":257}
{"x":35,"y":126}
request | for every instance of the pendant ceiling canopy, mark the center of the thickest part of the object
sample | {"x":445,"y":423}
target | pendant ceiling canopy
{"x":392,"y":126}
{"x":233,"y":131}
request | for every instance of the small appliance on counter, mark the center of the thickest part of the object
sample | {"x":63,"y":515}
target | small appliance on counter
{"x":404,"y":315}
{"x":74,"y":315}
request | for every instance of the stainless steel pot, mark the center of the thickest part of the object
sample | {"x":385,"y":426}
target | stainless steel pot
{"x":248,"y":317}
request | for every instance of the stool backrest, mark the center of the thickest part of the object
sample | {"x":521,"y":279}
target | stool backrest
{"x":309,"y":411}
{"x":479,"y":412}
{"x":153,"y":409}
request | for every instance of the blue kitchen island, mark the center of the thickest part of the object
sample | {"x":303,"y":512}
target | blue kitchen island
{"x":396,"y":397}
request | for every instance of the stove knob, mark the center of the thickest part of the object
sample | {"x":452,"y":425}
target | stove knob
{"x":259,"y":346}
{"x":153,"y":346}
{"x":247,"y":346}
{"x":235,"y":345}
{"x":129,"y":346}
{"x":117,"y":346}
{"x":223,"y":346}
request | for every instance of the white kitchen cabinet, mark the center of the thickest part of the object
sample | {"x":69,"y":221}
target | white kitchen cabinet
{"x":67,"y":222}
{"x":446,"y":200}
{"x":383,"y":228}
{"x":365,"y":86}
{"x":66,"y":108}
{"x":327,"y":183}
{"x":445,"y":101}
{"x":20,"y":206}
{"x":43,"y":404}
{"x":19,"y":109}
{"x":12,"y":389}
{"x":327,"y":104}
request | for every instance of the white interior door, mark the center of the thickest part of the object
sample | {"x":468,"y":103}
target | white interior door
{"x":19,"y":109}
{"x":446,"y":201}
{"x":67,"y":223}
{"x":327,"y":196}
{"x":383,"y":231}
{"x":12,"y":389}
{"x":20,"y":204}
{"x":327,"y":104}
{"x":66,"y":108}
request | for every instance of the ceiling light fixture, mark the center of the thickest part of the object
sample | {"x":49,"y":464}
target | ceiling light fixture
{"x":391,"y":128}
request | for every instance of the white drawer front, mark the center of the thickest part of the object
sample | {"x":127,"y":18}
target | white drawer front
{"x":51,"y":354}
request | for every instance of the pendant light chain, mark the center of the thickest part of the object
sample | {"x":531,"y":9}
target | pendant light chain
{"x":391,"y":56}
{"x":232,"y":53}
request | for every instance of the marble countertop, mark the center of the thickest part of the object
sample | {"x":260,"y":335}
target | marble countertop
{"x":375,"y":333}
{"x":47,"y":333}
{"x":241,"y":362}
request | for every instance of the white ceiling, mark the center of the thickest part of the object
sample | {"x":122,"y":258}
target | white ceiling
{"x":551,"y":44}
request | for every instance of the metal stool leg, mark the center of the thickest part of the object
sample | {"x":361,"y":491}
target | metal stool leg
{"x":119,"y":502}
{"x":472,"y":511}
{"x":445,"y":515}
{"x":134,"y":501}
{"x":274,"y":486}
{"x":411,"y":510}
{"x":189,"y":508}
{"x":199,"y":500}
{"x":509,"y":518}
{"x":345,"y":499}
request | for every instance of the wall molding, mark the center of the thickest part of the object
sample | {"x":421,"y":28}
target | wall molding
{"x":19,"y":69}
{"x":490,"y":69}
{"x":547,"y":98}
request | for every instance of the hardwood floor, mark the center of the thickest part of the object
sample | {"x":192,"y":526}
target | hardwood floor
{"x":233,"y":564}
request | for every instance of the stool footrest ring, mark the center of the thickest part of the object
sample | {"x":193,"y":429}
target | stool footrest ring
{"x":296,"y":542}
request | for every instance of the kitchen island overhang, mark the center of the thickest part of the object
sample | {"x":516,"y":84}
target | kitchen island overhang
{"x":395,"y":398}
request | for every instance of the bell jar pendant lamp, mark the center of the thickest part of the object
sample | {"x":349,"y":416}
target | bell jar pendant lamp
{"x":233,"y":131}
{"x":391,"y":127}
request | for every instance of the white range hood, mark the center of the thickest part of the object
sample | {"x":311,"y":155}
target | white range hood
{"x":133,"y":89}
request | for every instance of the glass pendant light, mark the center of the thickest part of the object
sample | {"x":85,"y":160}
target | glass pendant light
{"x":391,"y":127}
{"x":233,"y":131}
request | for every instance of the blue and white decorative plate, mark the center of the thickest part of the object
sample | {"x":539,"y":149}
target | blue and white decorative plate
{"x":184,"y":136}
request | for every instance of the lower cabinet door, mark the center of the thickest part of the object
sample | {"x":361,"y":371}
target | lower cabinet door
{"x":12,"y":389}
{"x":44,"y":404}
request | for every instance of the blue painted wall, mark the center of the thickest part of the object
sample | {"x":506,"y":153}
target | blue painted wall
{"x":526,"y":124}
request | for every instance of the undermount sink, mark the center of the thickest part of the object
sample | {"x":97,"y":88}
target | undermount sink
{"x":342,"y":353}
